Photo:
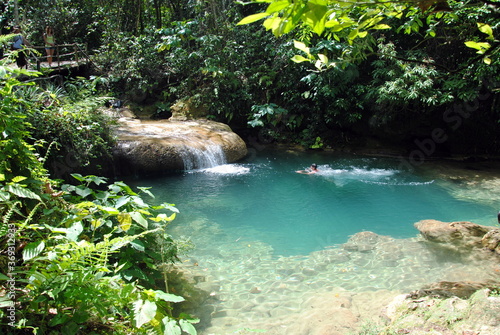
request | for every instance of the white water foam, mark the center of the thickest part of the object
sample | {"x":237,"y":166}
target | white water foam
{"x":227,"y":169}
{"x":352,"y":173}
{"x":411,"y":183}
{"x":356,"y":172}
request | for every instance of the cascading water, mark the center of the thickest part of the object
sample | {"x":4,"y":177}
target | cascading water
{"x":204,"y":157}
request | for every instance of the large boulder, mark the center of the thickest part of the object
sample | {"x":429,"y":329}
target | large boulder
{"x":460,"y":236}
{"x":155,"y":147}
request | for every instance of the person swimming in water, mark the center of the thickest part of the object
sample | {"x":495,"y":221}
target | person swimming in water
{"x":310,"y":170}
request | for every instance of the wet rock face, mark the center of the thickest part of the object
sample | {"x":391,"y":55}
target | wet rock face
{"x":155,"y":147}
{"x":461,"y":236}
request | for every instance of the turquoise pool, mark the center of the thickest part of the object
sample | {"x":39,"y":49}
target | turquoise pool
{"x":264,"y":199}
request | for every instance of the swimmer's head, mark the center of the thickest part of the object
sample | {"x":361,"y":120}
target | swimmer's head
{"x":314,"y":166}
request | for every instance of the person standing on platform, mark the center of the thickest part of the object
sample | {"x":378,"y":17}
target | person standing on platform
{"x":50,"y":43}
{"x":18,"y":44}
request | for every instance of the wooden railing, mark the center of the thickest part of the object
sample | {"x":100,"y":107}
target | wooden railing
{"x":64,"y":54}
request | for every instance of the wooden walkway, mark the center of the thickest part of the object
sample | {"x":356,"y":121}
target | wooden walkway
{"x":65,"y":56}
{"x":68,"y":59}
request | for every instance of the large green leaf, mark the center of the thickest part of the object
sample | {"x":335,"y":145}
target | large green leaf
{"x":22,"y":192}
{"x":33,"y":249}
{"x":168,"y":296}
{"x":125,"y":221}
{"x":298,"y":59}
{"x":83,"y":191}
{"x":109,"y":210}
{"x":121,"y":201}
{"x":485,"y":28}
{"x":144,"y":311}
{"x":171,"y":326}
{"x":252,"y":18}
{"x":18,"y":179}
{"x":137,"y":217}
{"x":315,"y":17}
{"x":480,"y":46}
{"x":301,"y":46}
{"x":187,"y":327}
{"x":276,"y":6}
{"x":74,"y":231}
{"x":125,"y":188}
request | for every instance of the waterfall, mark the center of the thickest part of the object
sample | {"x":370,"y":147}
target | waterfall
{"x":203,"y":157}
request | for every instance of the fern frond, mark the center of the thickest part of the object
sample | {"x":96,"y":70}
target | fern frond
{"x":47,"y":153}
{"x":82,"y":255}
{"x":29,"y":218}
{"x":11,"y":210}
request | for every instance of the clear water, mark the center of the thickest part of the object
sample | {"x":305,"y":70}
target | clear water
{"x":264,"y":199}
{"x":270,"y":253}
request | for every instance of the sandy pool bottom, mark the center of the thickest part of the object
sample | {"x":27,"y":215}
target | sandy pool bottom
{"x":246,"y":289}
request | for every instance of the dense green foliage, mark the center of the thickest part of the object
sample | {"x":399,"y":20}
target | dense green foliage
{"x":338,"y":71}
{"x":69,"y":118}
{"x":82,"y":257}
{"x":331,"y":73}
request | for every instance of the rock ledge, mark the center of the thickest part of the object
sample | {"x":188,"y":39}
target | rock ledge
{"x":156,"y":147}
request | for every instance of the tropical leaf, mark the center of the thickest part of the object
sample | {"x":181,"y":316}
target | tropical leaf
{"x":485,"y":28}
{"x":301,"y":46}
{"x":137,"y":217}
{"x":164,"y":218}
{"x":168,"y":297}
{"x":33,"y":249}
{"x":121,"y":201}
{"x":22,"y":192}
{"x":147,"y":191}
{"x":277,"y":6}
{"x":187,"y":327}
{"x":96,"y":223}
{"x":480,"y":46}
{"x":109,"y":210}
{"x":171,"y":326}
{"x":381,"y":26}
{"x":74,"y":231}
{"x":125,"y":221}
{"x":83,"y":191}
{"x":252,"y":18}
{"x":144,"y":311}
{"x":316,"y":16}
{"x":18,"y":179}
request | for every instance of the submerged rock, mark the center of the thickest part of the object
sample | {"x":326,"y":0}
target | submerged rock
{"x":365,"y":241}
{"x":155,"y":147}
